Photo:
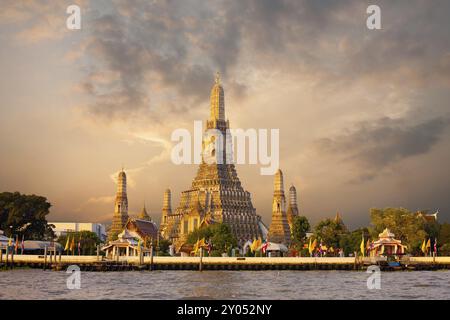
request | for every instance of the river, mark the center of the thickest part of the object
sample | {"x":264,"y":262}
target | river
{"x":38,"y":284}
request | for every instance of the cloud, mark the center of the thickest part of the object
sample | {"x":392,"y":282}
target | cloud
{"x":374,"y":145}
{"x":36,"y":21}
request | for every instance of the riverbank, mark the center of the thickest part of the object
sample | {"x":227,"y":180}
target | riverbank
{"x":99,"y":263}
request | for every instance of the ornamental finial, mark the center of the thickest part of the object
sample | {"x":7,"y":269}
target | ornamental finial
{"x":217,"y":77}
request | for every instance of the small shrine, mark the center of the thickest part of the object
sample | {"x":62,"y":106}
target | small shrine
{"x":387,"y":245}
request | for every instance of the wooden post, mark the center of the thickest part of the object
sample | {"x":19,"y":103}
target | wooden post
{"x":151,"y":257}
{"x":45,"y":257}
{"x":7,"y":254}
{"x":12,"y":259}
{"x":200,"y":266}
{"x":98,"y":252}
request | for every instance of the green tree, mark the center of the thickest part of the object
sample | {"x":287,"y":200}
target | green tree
{"x":406,"y":225}
{"x":25,"y":216}
{"x":164,"y":245}
{"x":220,"y":235}
{"x":300,"y":225}
{"x":330,"y":232}
{"x":88,"y":241}
{"x":444,"y":234}
{"x":351,"y":241}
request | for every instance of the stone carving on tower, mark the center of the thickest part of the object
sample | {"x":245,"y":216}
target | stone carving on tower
{"x":292,"y":210}
{"x":279,"y":230}
{"x":216,"y":193}
{"x":120,"y":216}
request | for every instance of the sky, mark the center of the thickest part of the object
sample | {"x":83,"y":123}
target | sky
{"x":363,"y":114}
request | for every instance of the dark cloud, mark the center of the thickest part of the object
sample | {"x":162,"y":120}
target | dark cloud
{"x":173,"y":48}
{"x":374,"y":145}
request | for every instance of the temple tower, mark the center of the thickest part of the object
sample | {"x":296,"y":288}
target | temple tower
{"x":292,"y":210}
{"x":279,"y":230}
{"x":216,"y":194}
{"x":166,"y":211}
{"x":120,"y":216}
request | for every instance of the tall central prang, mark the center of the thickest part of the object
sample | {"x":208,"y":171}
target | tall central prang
{"x":216,"y":194}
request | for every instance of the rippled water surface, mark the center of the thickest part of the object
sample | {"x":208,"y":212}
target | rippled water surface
{"x":38,"y":284}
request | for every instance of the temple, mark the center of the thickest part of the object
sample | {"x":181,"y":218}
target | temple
{"x":120,"y":216}
{"x":292,"y":210}
{"x":279,"y":230}
{"x":216,"y":194}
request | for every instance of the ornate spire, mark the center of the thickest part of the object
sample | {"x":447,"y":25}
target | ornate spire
{"x":278,"y":182}
{"x":217,"y":100}
{"x":120,"y":216}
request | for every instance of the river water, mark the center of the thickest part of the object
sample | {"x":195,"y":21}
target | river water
{"x":38,"y":284}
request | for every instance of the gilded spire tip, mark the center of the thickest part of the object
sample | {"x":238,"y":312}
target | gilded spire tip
{"x":217,"y":77}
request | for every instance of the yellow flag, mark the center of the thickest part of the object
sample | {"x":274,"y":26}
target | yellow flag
{"x":196,"y":246}
{"x":67,"y":243}
{"x":258,"y":243}
{"x":309,"y":246}
{"x":312,"y":246}
{"x":253,"y":246}
{"x":72,"y":244}
{"x":428,"y":244}
{"x":363,"y":247}
{"x":202,"y":243}
{"x":424,"y":248}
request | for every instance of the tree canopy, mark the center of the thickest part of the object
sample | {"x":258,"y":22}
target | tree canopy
{"x":88,"y":241}
{"x":300,"y":226}
{"x":406,"y":225}
{"x":25,"y":216}
{"x":330,"y":232}
{"x":220,"y":235}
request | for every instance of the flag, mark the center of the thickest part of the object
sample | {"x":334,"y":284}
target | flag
{"x":309,"y":246}
{"x":424,"y":248}
{"x":79,"y":246}
{"x":320,"y":246}
{"x":362,"y":246}
{"x":435,"y":245}
{"x":428,"y":244}
{"x":66,"y":248}
{"x":314,"y":245}
{"x":196,"y":247}
{"x":331,"y":249}
{"x":253,"y":246}
{"x":264,"y":246}
{"x":16,"y":247}
{"x":72,"y":245}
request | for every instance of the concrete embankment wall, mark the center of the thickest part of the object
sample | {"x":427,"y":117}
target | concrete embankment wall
{"x":94,"y":263}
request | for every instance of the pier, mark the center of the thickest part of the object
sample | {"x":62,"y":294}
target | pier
{"x":98,"y":263}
